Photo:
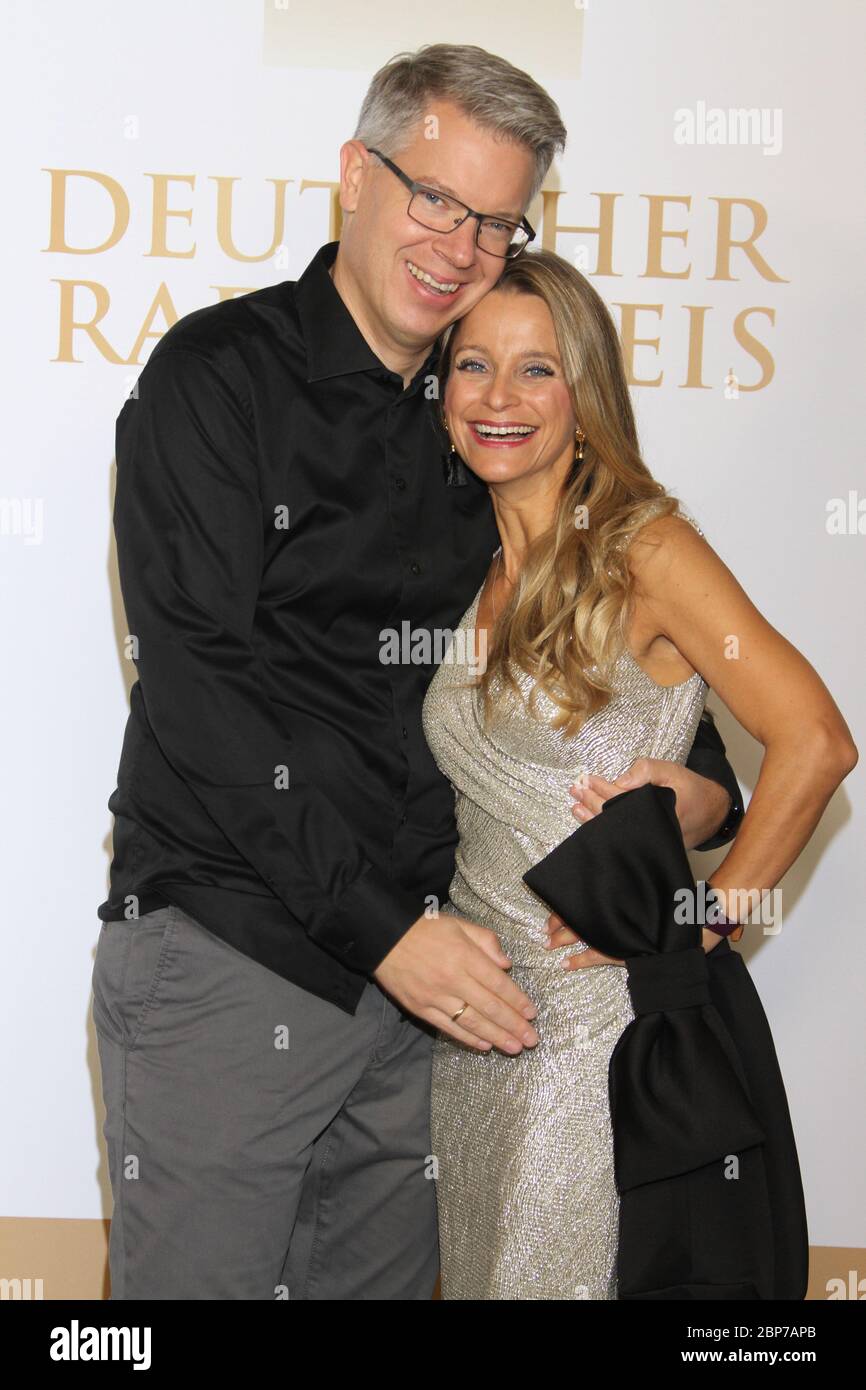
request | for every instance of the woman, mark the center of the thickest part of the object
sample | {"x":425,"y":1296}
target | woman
{"x":606,"y":617}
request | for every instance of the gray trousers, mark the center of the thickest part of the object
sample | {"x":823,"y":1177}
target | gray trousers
{"x":262,"y":1143}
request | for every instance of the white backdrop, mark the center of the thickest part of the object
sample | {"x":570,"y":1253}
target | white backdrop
{"x":212,"y":89}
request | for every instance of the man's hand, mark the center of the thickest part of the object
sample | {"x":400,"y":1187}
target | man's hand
{"x":444,"y":962}
{"x":702,"y":805}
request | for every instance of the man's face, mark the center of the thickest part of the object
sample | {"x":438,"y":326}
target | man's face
{"x":385,"y":250}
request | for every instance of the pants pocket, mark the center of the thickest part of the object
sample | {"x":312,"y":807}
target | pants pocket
{"x":130,"y":960}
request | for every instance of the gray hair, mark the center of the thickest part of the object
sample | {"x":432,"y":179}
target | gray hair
{"x":497,"y":96}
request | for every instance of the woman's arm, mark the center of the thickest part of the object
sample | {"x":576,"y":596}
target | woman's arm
{"x":686,"y":594}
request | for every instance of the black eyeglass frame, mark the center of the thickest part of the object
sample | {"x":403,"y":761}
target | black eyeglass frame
{"x":415,"y":187}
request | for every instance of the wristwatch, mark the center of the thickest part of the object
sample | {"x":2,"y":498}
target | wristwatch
{"x":720,"y":924}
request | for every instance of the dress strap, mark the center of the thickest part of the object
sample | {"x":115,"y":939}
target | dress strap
{"x":654,"y":506}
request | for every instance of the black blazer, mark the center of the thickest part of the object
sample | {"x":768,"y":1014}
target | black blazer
{"x":711,"y":1201}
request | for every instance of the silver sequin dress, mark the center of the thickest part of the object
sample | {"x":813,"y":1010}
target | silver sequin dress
{"x":528,"y":1207}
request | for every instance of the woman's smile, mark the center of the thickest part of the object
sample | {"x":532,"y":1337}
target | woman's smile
{"x":501,"y":434}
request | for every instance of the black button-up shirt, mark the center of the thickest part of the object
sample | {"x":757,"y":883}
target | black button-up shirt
{"x":283,"y":502}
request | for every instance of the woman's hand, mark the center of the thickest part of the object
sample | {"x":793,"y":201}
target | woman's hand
{"x":559,"y":934}
{"x":702,"y":805}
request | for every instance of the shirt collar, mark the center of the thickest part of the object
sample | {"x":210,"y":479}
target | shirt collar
{"x":335,"y":344}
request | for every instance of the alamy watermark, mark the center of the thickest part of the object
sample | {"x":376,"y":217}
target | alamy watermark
{"x":22,"y":516}
{"x":422,"y":646}
{"x":713,"y":125}
{"x":750,"y":906}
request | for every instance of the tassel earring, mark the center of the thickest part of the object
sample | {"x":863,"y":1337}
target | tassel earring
{"x":454,"y":467}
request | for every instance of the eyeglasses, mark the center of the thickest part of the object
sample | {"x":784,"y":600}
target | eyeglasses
{"x":440,"y":213}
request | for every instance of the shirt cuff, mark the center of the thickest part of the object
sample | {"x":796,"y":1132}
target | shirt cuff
{"x":368,"y":920}
{"x":708,"y":763}
{"x":729,"y":828}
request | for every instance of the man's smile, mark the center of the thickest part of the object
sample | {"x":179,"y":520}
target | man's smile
{"x":439,"y":289}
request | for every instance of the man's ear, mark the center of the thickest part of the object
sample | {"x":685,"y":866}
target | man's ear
{"x":354,"y":160}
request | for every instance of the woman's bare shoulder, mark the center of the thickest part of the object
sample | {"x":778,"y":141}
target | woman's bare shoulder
{"x":665,"y":540}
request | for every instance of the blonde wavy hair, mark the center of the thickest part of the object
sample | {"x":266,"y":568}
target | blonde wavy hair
{"x":565,"y":621}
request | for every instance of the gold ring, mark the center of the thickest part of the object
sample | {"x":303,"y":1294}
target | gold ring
{"x":454,"y":1017}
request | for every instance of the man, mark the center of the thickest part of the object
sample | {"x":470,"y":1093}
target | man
{"x":270,"y":972}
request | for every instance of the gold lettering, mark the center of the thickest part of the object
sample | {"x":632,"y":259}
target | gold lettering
{"x":725,"y":241}
{"x":697,"y":313}
{"x":656,"y":231}
{"x":604,"y":231}
{"x":225,"y":199}
{"x":755,"y":349}
{"x":335,"y":215}
{"x":225,"y":292}
{"x":630,"y":341}
{"x":162,"y":212}
{"x":68,"y":323}
{"x":57,"y":238}
{"x":161,"y":303}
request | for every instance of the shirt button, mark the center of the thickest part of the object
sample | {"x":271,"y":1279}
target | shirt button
{"x":405,"y":733}
{"x":400,"y":483}
{"x":402,"y":820}
{"x":415,"y":567}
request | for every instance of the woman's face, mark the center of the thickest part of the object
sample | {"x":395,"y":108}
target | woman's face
{"x":506,"y":374}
